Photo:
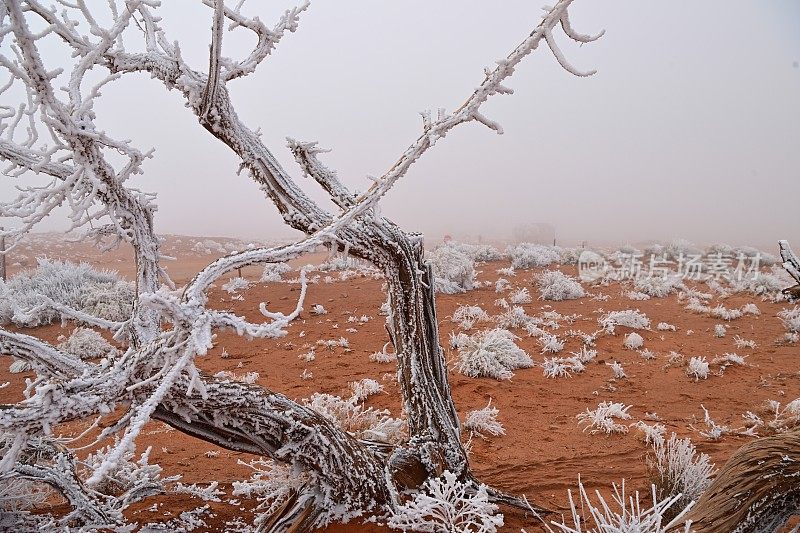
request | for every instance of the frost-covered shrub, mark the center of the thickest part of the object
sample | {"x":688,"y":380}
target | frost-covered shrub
{"x":318,"y":309}
{"x":445,"y":504}
{"x":617,"y":369}
{"x":467,"y":315}
{"x":556,"y":367}
{"x":125,"y":473}
{"x":480,"y":253}
{"x":80,"y":287}
{"x":520,"y":296}
{"x":632,"y":517}
{"x":502,"y":285}
{"x":556,"y":286}
{"x":677,"y":469}
{"x":790,"y":319}
{"x":484,"y":420}
{"x":453,"y":270}
{"x":235,"y":285}
{"x":628,"y":318}
{"x":528,"y":255}
{"x":87,"y":344}
{"x":491,"y":353}
{"x":17,"y":494}
{"x":781,"y":419}
{"x":741,"y":342}
{"x":550,"y":343}
{"x":365,"y":388}
{"x":697,"y":368}
{"x":719,"y":330}
{"x":516,"y":317}
{"x":750,"y":309}
{"x":633,"y":341}
{"x":247,"y":377}
{"x":602,"y":418}
{"x":270,"y":484}
{"x":363,"y":422}
{"x":663,"y":326}
{"x":658,"y":286}
{"x":273,"y":272}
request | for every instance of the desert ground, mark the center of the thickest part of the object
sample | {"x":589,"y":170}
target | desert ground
{"x":544,"y":449}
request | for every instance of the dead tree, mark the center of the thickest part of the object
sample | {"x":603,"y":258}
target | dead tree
{"x":54,"y":134}
{"x":792,"y":265}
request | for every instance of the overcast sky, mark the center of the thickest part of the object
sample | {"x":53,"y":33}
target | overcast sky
{"x":690,"y":128}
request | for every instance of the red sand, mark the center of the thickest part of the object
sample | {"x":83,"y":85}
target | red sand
{"x":544,"y":449}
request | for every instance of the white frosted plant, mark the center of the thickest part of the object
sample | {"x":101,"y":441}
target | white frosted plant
{"x":602,"y":419}
{"x":526,"y":255}
{"x":491,"y":353}
{"x":650,"y":432}
{"x":617,"y":369}
{"x":558,"y":367}
{"x":550,"y":343}
{"x":658,"y":286}
{"x":87,"y":344}
{"x":516,"y":317}
{"x":453,"y":270}
{"x":663,"y":326}
{"x":629,"y":318}
{"x":273,"y":272}
{"x":632,"y":515}
{"x":502,"y":285}
{"x":271,"y":484}
{"x":633,"y":341}
{"x":365,"y":388}
{"x":719,"y":330}
{"x":751,"y":309}
{"x":235,"y":285}
{"x":790,"y":319}
{"x":741,"y":342}
{"x":557,"y":286}
{"x":30,"y":297}
{"x":466,"y":316}
{"x":484,"y":421}
{"x":520,"y":296}
{"x":713,"y":430}
{"x":445,"y":504}
{"x":678,"y":471}
{"x":318,"y":309}
{"x":363,"y":422}
{"x":697,"y":368}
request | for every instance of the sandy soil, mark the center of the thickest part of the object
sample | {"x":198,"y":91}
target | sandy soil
{"x":544,"y":449}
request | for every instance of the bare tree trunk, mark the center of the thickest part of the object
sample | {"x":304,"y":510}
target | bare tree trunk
{"x":757,"y":490}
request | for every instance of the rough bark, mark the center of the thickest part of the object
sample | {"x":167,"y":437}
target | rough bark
{"x":756,"y":491}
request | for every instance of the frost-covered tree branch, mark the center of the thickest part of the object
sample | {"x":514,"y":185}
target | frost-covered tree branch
{"x":56,"y":136}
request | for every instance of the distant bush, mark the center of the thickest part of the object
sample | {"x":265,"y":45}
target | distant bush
{"x":98,"y":293}
{"x":556,"y":286}
{"x":453,"y":270}
{"x":87,"y":344}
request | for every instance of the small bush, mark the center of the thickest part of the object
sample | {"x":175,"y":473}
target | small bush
{"x":556,"y":286}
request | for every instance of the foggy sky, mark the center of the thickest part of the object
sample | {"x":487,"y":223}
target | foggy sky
{"x":690,"y":128}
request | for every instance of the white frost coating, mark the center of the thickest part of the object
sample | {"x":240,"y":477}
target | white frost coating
{"x":602,"y":418}
{"x":87,"y":344}
{"x":447,"y":504}
{"x":682,"y":472}
{"x":631,"y":517}
{"x":628,"y":318}
{"x":697,"y":368}
{"x":633,"y":341}
{"x":491,"y":353}
{"x":453,"y":270}
{"x":484,"y":420}
{"x":556,"y":286}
